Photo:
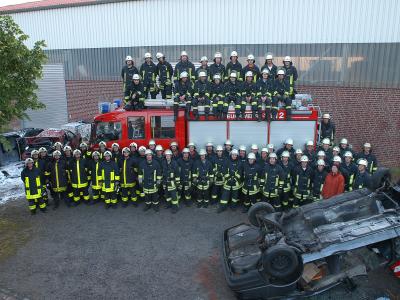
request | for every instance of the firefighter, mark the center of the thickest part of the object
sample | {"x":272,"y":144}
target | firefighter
{"x":309,"y":151}
{"x":67,"y":151}
{"x":362,"y":178}
{"x":301,"y":182}
{"x":116,"y":154}
{"x":109,"y":175}
{"x":150,"y":181}
{"x":152,"y":146}
{"x":369,"y":157}
{"x":127,"y":73}
{"x":271,"y":182}
{"x":287,"y":146}
{"x":203,"y":177}
{"x":68,"y":158}
{"x":136,"y":97}
{"x":78,"y":171}
{"x":233,"y":66}
{"x":344,"y":147}
{"x":58,"y":147}
{"x":86,"y":153}
{"x":217,"y":67}
{"x":271,"y":148}
{"x":265,"y":90}
{"x":165,"y":73}
{"x":351,"y":169}
{"x":148,"y":72}
{"x":192,"y":151}
{"x":335,"y":152}
{"x":251,"y":66}
{"x":291,"y":75}
{"x":41,"y":163}
{"x":218,"y":97}
{"x":201,"y":95}
{"x":297,"y":156}
{"x":133,"y":150}
{"x":173,"y":146}
{"x":184,"y":65}
{"x":281,"y":94}
{"x":254,"y":150}
{"x":327,"y":149}
{"x":321,"y":155}
{"x":249,"y":95}
{"x":228,"y":148}
{"x":127,"y":176}
{"x":57,"y":175}
{"x":185,"y":164}
{"x":328,"y":128}
{"x":31,"y":178}
{"x":318,"y":179}
{"x":242,"y":154}
{"x":95,"y":177}
{"x":219,"y":171}
{"x":171,"y":180}
{"x":183,"y":94}
{"x":203,"y":68}
{"x":102,"y":149}
{"x":264,"y":158}
{"x":232,"y":182}
{"x":269,"y":65}
{"x":287,"y":168}
{"x":251,"y":182}
{"x":210,"y":154}
{"x":233,"y":93}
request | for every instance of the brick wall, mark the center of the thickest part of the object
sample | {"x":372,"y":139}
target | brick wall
{"x":360,"y":114}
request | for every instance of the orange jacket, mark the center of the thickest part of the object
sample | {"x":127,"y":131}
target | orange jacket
{"x":334,"y":185}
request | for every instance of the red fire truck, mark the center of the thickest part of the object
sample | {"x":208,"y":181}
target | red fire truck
{"x":157,"y":122}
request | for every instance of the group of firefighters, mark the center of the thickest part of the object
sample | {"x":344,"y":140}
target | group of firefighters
{"x":284,"y":177}
{"x":214,"y":86}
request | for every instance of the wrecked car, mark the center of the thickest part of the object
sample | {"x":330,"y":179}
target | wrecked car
{"x":310,"y":249}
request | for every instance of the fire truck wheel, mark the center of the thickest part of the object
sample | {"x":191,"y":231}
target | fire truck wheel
{"x":259,"y":209}
{"x":280,"y":261}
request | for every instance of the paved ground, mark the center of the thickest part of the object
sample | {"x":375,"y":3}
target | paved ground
{"x":91,"y":253}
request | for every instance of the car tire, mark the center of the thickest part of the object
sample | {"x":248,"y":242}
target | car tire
{"x":378,"y":178}
{"x":280,"y":261}
{"x":256,"y":209}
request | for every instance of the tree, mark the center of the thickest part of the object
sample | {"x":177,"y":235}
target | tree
{"x":20,"y":67}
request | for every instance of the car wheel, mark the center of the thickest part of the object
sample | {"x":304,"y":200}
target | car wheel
{"x":280,"y":261}
{"x":378,"y":178}
{"x":259,"y":209}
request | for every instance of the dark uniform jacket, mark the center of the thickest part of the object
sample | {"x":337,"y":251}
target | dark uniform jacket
{"x":32,"y":183}
{"x":272,"y":71}
{"x":165,"y":73}
{"x":254,"y":69}
{"x":78,"y":172}
{"x":203,"y":173}
{"x":217,"y":69}
{"x":148,"y":72}
{"x":249,"y":89}
{"x":318,"y":179}
{"x":233,"y":176}
{"x":150,"y":175}
{"x":127,"y":74}
{"x":237,"y":67}
{"x":251,"y":178}
{"x":201,"y":89}
{"x":372,"y":161}
{"x":265,"y":87}
{"x":183,"y":88}
{"x":220,"y":169}
{"x":281,"y":87}
{"x":233,"y":89}
{"x":301,"y":180}
{"x":136,"y":91}
{"x":206,"y":69}
{"x":272,"y":179}
{"x":127,"y":171}
{"x":328,"y":131}
{"x":171,"y":174}
{"x":185,"y":66}
{"x":109,"y":174}
{"x":94,"y":177}
{"x":57,"y":171}
{"x":361,"y":180}
{"x":351,"y":171}
{"x":185,"y":167}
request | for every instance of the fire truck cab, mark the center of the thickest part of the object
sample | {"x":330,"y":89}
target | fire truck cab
{"x":157,"y":122}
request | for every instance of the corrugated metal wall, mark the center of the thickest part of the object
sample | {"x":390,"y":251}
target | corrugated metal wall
{"x":52,"y":93}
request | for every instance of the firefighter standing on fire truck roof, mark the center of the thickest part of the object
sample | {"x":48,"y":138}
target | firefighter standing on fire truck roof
{"x":127,"y":73}
{"x":201,"y":95}
{"x":281,"y":94}
{"x":249,"y":96}
{"x":79,"y":180}
{"x":150,"y":181}
{"x":165,"y":73}
{"x":328,"y":128}
{"x":291,"y":75}
{"x":217,"y":67}
{"x":233,"y":66}
{"x":31,"y":178}
{"x":251,"y":181}
{"x":233,"y":93}
{"x":251,"y":66}
{"x":127,"y":178}
{"x":109,"y":175}
{"x":271,"y":182}
{"x":136,"y":97}
{"x":265,"y":90}
{"x":171,"y":180}
{"x":184,"y":65}
{"x":217,"y":97}
{"x":203,"y":178}
{"x":148,"y":72}
{"x":183,"y":94}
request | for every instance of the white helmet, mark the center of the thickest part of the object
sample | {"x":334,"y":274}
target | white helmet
{"x":103,"y":143}
{"x":250,"y":57}
{"x":147,"y":55}
{"x":249,"y":74}
{"x":310,"y":143}
{"x":265,"y":71}
{"x":281,"y":72}
{"x":28,"y":160}
{"x":344,"y":141}
{"x":326,"y":141}
{"x":67,"y":148}
{"x":326,"y":116}
{"x":209,"y":144}
{"x":272,"y":155}
{"x":191,"y":144}
{"x":185,"y":150}
{"x":299,"y":151}
{"x":135,"y":77}
{"x":142,"y":149}
{"x":321,"y":153}
{"x":289,"y":142}
{"x":128,"y":57}
{"x":233,"y":75}
{"x":184,"y":74}
{"x":264,"y":150}
{"x":56,"y":153}
{"x":126,"y":149}
{"x":33,"y":152}
{"x":337,"y":158}
{"x":77,"y":151}
{"x":269,"y":56}
{"x":203,"y":58}
{"x":159,"y":148}
{"x":202,"y":74}
{"x":173,"y":144}
{"x":228,"y":143}
{"x":254,"y":147}
{"x":83,"y":145}
{"x":242,"y":148}
{"x":287,"y":58}
{"x":96,"y":153}
{"x":270,"y":146}
{"x":251,"y":156}
{"x":57,"y":144}
{"x":148,"y":152}
{"x":133,"y":144}
{"x":367,"y":145}
{"x":107,"y":153}
{"x":202,"y":152}
{"x":217,"y":76}
{"x":285,"y":154}
{"x":115,"y":145}
{"x":184,"y":53}
{"x":234,"y":152}
{"x":304,"y":158}
{"x":336,"y":148}
{"x":152,"y":142}
{"x":168,"y":152}
{"x":159,"y":55}
{"x":219,"y":148}
{"x":348,"y":154}
{"x":42,"y":149}
{"x":217,"y":55}
{"x":321,"y":162}
{"x":363,"y":162}
{"x":234,"y":53}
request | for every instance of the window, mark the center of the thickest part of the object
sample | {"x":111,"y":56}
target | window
{"x":136,"y":128}
{"x":108,"y":131}
{"x":162,"y":127}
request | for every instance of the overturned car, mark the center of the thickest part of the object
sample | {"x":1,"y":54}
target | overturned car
{"x":307,"y":250}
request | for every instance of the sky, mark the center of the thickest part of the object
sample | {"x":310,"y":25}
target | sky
{"x":12,"y":2}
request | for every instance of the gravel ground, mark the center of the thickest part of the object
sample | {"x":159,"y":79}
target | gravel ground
{"x":93,"y":253}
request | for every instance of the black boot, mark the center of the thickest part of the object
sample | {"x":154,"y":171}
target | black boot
{"x":114,"y":205}
{"x":125,"y":204}
{"x":188,"y":203}
{"x":205,"y":204}
{"x":175,"y":208}
{"x":146,"y":207}
{"x":168,"y":205}
{"x":156,"y":207}
{"x":107,"y":205}
{"x":199,"y":204}
{"x":245,"y":208}
{"x":33,"y":212}
{"x":43,"y":210}
{"x":234,"y":206}
{"x":221,"y":208}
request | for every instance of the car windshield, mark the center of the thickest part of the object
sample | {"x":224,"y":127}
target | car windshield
{"x":107,"y":131}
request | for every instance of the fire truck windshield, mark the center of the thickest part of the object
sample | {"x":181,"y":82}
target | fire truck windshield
{"x":107,"y":131}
